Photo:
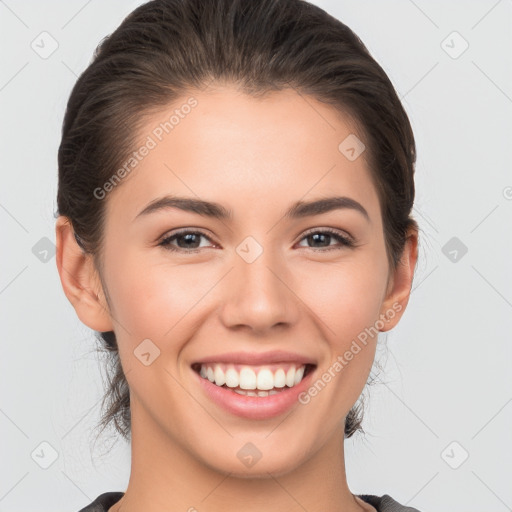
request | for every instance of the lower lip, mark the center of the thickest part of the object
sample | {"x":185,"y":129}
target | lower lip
{"x":255,"y":407}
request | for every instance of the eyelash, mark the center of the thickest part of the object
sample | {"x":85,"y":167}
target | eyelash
{"x":343,"y":240}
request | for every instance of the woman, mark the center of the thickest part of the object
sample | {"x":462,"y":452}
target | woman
{"x":235,"y":190}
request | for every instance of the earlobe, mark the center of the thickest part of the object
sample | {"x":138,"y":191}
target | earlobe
{"x":80,"y":280}
{"x":399,"y":290}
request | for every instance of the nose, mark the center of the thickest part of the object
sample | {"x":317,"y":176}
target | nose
{"x":259,"y":296}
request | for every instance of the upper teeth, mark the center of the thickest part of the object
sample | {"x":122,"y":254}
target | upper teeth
{"x":246,"y":377}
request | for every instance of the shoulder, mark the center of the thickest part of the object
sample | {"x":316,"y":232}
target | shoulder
{"x":103,"y":502}
{"x":385,"y":503}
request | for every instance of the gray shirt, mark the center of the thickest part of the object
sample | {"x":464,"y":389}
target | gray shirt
{"x":383,"y":503}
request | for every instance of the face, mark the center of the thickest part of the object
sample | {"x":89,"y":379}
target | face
{"x":254,"y":292}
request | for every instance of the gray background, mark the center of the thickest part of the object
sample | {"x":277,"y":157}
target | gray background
{"x":446,"y":389}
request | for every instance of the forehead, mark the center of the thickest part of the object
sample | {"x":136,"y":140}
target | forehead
{"x":224,"y":145}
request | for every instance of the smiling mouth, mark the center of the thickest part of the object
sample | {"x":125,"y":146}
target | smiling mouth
{"x":254,"y":380}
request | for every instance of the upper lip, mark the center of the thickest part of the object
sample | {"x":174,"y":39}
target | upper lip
{"x":257,"y":358}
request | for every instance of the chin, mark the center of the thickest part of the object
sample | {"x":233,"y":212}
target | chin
{"x":277,"y":463}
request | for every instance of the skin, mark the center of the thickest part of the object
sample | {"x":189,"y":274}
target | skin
{"x":255,"y":157}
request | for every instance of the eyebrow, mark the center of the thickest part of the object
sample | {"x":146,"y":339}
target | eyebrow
{"x":214,"y":210}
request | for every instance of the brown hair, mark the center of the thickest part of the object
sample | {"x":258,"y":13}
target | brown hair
{"x":166,"y":47}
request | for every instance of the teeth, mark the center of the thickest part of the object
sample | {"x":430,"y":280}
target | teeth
{"x":232,"y":378}
{"x":260,"y":393}
{"x":280,"y":379}
{"x":290,"y":377}
{"x":247,"y":378}
{"x":265,"y":379}
{"x":299,"y":373}
{"x":220,"y":378}
{"x":262,"y":383}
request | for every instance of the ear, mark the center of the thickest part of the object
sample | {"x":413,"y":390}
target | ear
{"x":400,"y":282}
{"x":80,"y":279}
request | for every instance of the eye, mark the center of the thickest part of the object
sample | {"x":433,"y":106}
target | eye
{"x":325,"y":236}
{"x":187,"y":241}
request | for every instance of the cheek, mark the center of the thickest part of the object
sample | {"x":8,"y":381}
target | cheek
{"x":346,"y":300}
{"x":151,"y":299}
{"x":154,"y":302}
{"x":346,"y":297}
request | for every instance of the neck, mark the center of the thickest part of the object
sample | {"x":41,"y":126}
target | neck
{"x":166,"y":477}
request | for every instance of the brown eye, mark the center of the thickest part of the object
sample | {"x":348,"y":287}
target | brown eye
{"x":186,"y":241}
{"x":190,"y":241}
{"x":324,"y":237}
